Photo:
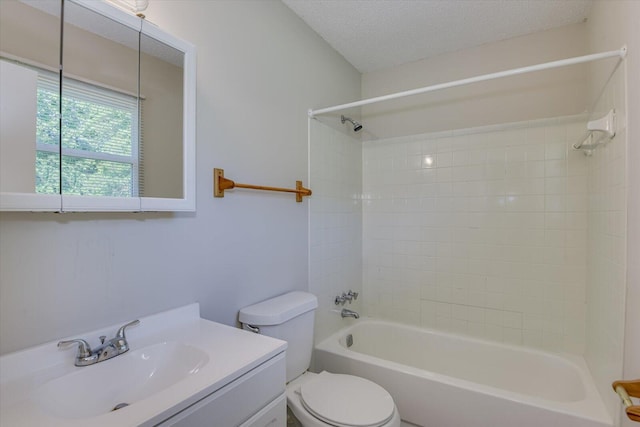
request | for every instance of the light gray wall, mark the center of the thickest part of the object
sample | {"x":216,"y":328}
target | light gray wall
{"x":259,"y":69}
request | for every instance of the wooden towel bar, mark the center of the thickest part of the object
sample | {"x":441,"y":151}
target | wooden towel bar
{"x":220,"y":183}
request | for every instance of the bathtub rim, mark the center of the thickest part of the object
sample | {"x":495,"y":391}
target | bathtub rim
{"x":591,"y":407}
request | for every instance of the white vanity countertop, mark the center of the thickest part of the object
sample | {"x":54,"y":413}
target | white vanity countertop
{"x":231,"y":352}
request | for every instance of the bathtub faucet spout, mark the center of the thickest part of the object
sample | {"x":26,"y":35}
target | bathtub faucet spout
{"x":349,"y":313}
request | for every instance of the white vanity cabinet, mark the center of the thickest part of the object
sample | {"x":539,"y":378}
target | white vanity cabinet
{"x":256,"y":399}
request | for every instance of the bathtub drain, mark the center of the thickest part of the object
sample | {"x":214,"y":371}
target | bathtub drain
{"x":349,"y":340}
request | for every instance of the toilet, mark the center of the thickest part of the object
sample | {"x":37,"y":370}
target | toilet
{"x":324,"y":399}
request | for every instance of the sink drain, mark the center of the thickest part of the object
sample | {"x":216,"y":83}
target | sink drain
{"x":119,"y":406}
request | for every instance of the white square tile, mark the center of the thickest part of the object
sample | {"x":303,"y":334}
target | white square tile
{"x":506,"y":205}
{"x":512,"y":319}
{"x":512,"y":336}
{"x":428,"y":161}
{"x":495,"y":155}
{"x":555,"y":168}
{"x":555,"y":150}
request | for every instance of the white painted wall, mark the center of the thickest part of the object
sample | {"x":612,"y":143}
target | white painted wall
{"x":259,"y":69}
{"x":545,"y":94}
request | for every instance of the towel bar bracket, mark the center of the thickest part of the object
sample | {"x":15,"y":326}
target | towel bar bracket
{"x":626,"y":390}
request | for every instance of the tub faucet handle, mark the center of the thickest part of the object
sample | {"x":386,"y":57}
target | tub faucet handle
{"x":340,"y":299}
{"x":350,"y":296}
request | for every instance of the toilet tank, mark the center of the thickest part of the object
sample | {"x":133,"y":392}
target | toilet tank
{"x":288,"y":317}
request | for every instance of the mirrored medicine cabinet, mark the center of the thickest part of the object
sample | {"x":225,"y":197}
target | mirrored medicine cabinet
{"x":97,"y":110}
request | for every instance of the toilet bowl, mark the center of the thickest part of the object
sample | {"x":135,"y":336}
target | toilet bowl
{"x":325,"y":399}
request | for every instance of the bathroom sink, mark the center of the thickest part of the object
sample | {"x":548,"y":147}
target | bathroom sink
{"x":176,"y":359}
{"x":121,"y":381}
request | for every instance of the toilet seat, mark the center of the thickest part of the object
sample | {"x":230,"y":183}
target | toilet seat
{"x":347,"y":401}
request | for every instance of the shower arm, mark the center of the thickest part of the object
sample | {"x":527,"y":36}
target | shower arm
{"x":604,"y":126}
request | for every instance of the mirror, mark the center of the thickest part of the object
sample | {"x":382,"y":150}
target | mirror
{"x":29,"y":105}
{"x":100,"y":127}
{"x":161,"y":76}
{"x":125,"y":141}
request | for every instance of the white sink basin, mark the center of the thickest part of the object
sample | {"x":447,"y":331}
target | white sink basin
{"x":176,"y":359}
{"x":125,"y":379}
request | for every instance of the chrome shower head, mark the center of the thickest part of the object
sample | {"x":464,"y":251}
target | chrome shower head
{"x":356,"y":126}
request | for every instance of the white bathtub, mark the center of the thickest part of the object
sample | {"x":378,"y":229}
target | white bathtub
{"x":446,"y":380}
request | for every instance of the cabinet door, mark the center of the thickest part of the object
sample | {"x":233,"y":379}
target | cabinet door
{"x":99,"y":106}
{"x":77,"y":146}
{"x":241,"y":402}
{"x":272,"y":415}
{"x":29,"y":105}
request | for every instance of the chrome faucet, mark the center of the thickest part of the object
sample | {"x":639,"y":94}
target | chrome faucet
{"x":346,"y":296}
{"x":112,"y":348}
{"x":349,"y":313}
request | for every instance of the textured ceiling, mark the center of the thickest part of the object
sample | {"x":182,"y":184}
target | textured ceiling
{"x":376,"y":34}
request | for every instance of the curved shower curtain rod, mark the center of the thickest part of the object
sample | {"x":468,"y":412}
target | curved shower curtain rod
{"x":621,"y":53}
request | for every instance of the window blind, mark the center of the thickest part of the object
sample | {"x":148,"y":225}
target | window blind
{"x":100,"y":129}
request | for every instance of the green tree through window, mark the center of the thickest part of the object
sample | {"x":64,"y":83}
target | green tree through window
{"x":99,"y":140}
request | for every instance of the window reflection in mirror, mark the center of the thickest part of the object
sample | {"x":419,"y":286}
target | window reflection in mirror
{"x":29,"y":105}
{"x":100,"y":120}
{"x":161,"y":146}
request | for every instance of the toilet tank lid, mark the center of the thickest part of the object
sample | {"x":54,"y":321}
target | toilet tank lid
{"x":278,"y":310}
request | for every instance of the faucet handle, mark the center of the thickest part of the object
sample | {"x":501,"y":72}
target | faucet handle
{"x":84,"y":350}
{"x":120,"y":341}
{"x":120,"y":333}
{"x":352,"y":294}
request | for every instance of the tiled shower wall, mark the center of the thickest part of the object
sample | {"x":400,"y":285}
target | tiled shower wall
{"x":607,"y":267}
{"x":335,"y":241}
{"x":481,"y":231}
